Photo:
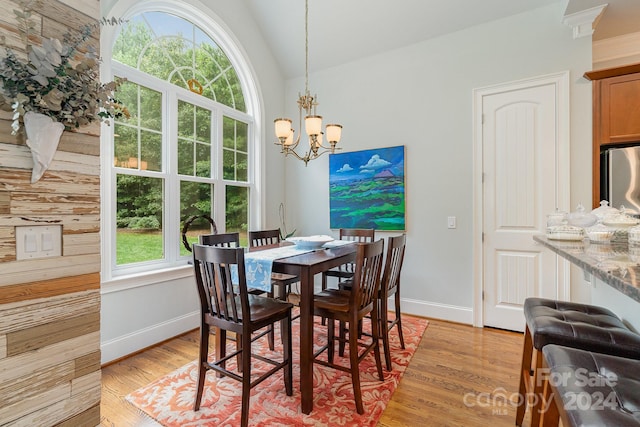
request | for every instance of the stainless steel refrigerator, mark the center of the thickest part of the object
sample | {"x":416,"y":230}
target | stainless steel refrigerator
{"x":622,"y":176}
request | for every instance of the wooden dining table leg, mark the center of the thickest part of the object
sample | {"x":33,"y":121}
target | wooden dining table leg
{"x":306,"y":341}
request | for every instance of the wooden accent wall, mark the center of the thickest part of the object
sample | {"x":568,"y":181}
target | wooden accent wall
{"x":50,"y":308}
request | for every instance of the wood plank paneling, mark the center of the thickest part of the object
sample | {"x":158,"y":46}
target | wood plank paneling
{"x":47,"y":334}
{"x":36,"y":383}
{"x":86,"y":365}
{"x":19,"y":156}
{"x":49,"y":288}
{"x":28,"y":314}
{"x":86,"y":418}
{"x":18,"y":180}
{"x":61,"y":410}
{"x":70,"y":223}
{"x":48,"y":268}
{"x":13,"y":368}
{"x":5,"y":199}
{"x":23,"y":411}
{"x":81,"y":244}
{"x":90,"y":8}
{"x":50,"y":307}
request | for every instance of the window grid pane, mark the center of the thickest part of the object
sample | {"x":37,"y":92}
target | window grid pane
{"x":196,"y":198}
{"x":235,"y":155}
{"x":139,"y":219}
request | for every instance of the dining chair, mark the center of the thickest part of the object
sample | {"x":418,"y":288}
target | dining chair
{"x":232,"y":240}
{"x":345,"y":271}
{"x":390,"y":286}
{"x":349,"y":308}
{"x":230,"y":307}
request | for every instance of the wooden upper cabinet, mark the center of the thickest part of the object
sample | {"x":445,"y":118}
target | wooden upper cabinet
{"x":619,"y":109}
{"x":616,"y":113}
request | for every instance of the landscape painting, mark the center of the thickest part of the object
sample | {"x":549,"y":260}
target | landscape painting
{"x":367,"y":189}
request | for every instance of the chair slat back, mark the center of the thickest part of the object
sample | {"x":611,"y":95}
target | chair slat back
{"x":393,"y":265}
{"x":264,"y":238}
{"x":219,"y":297}
{"x":360,"y":235}
{"x":366,"y":280}
{"x":224,"y":240}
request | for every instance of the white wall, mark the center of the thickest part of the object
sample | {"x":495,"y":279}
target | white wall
{"x":137,"y":313}
{"x":421,"y":96}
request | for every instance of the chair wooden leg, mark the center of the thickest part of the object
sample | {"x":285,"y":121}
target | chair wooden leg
{"x":202,"y":369}
{"x":343,"y":337}
{"x":331,"y":334}
{"x":288,"y":354}
{"x":376,"y":341}
{"x":536,"y":409}
{"x":246,"y":379}
{"x":550,"y":416}
{"x":353,"y":363}
{"x":525,"y":376}
{"x":399,"y":319}
{"x":271,"y":334}
{"x":238,"y":348}
{"x":221,"y":348}
{"x":384,"y":331}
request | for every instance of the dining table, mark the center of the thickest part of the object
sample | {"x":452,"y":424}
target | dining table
{"x":306,"y":266}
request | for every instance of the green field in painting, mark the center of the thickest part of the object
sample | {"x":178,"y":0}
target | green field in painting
{"x":368,"y":203}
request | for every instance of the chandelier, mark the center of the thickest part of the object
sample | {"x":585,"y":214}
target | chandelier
{"x":313,"y":123}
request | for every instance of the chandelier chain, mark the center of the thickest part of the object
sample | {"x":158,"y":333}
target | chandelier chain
{"x":306,"y":46}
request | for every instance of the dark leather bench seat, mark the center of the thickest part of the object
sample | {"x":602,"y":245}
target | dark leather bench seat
{"x":593,"y":389}
{"x":569,"y":324}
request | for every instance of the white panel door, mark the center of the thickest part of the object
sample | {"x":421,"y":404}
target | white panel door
{"x":520,"y":155}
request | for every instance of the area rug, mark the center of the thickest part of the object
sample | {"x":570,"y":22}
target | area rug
{"x":169,"y":400}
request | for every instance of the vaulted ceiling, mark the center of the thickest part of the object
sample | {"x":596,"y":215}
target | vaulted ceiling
{"x":341,"y":31}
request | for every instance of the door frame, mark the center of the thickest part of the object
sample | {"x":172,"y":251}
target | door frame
{"x":562,"y":84}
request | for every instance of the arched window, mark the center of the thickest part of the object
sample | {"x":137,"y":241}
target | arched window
{"x":187,"y":148}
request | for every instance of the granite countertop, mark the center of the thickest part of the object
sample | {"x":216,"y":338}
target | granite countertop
{"x":615,"y":264}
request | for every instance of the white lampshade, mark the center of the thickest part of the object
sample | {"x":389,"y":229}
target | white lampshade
{"x":313,"y":125}
{"x":289,"y":139}
{"x":334,"y":132}
{"x":283,"y":127}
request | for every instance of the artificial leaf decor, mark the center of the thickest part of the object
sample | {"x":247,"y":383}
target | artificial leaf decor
{"x":58,"y":80}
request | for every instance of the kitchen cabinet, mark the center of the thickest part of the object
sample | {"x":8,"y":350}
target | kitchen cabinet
{"x":616,"y":113}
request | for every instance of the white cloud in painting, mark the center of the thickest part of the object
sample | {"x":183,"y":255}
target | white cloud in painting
{"x":374,"y":163}
{"x":345,"y":168}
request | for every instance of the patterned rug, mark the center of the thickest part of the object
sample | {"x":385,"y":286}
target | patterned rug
{"x":169,"y":400}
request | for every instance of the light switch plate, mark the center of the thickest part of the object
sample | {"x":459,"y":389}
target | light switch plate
{"x":38,"y":241}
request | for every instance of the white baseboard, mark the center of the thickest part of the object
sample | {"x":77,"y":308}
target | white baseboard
{"x":447,"y":312}
{"x":143,"y":338}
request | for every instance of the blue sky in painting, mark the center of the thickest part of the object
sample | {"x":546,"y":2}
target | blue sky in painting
{"x":366,"y":163}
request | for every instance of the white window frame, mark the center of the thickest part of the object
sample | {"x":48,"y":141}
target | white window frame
{"x":207,"y":21}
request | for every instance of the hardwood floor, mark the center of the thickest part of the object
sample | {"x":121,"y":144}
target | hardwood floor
{"x":459,"y":376}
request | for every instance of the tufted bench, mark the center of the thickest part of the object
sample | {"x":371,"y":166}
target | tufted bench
{"x":591,"y":389}
{"x":572,"y":325}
